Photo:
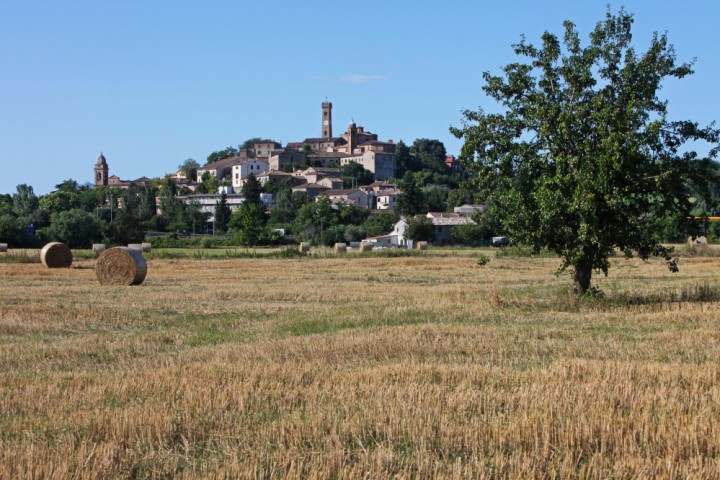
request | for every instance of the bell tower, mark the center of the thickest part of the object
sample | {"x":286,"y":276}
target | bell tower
{"x":326,"y":119}
{"x":101,"y":171}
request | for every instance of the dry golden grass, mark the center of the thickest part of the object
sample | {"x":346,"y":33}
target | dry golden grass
{"x":360,"y":367}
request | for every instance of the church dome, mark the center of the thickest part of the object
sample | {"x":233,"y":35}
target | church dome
{"x":101,"y":160}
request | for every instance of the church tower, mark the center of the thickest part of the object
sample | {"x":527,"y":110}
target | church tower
{"x":326,"y":119}
{"x":101,"y":171}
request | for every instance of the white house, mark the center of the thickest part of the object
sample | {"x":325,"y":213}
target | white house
{"x":348,"y":197}
{"x":396,"y":238}
{"x":242,"y":170}
{"x":386,"y":198}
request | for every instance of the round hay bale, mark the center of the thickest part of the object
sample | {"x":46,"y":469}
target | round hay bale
{"x":56,"y":255}
{"x":340,"y":248}
{"x":304,"y":247}
{"x":422,"y":245}
{"x":120,"y":266}
{"x":3,"y":247}
{"x":135,"y":246}
{"x":366,"y":247}
{"x":98,"y":248}
{"x":146,"y":247}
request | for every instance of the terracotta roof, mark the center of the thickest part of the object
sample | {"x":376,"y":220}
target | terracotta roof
{"x":344,"y":201}
{"x":313,"y":186}
{"x":327,"y":155}
{"x":225,"y":162}
{"x":321,"y":140}
{"x":276,"y":173}
{"x":343,"y":191}
{"x":389,"y":192}
{"x":443,"y":218}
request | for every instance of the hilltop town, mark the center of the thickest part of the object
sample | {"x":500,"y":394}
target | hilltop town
{"x":353,"y":169}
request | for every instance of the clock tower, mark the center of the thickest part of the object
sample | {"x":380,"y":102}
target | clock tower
{"x":326,"y":119}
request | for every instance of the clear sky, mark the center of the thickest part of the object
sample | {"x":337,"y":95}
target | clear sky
{"x":152,"y":83}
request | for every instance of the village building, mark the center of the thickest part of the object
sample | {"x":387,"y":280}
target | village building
{"x":102,"y":179}
{"x":386,"y":199}
{"x":348,"y":197}
{"x":314,"y":174}
{"x":312,"y":190}
{"x":221,"y":169}
{"x":242,"y":170}
{"x":470,"y":209}
{"x":445,"y":223}
{"x":333,"y":183}
{"x":358,"y":145}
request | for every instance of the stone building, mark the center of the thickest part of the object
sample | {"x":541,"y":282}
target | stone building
{"x":101,"y":171}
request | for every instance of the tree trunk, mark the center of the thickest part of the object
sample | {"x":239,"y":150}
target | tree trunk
{"x":581,"y":278}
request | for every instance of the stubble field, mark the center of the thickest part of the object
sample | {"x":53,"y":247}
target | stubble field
{"x":413,"y":367}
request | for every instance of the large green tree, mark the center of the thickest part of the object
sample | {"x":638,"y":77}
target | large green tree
{"x":189,"y":169}
{"x":25,"y":202}
{"x":582,"y":156}
{"x":221,"y":154}
{"x":77,"y":228}
{"x":222,"y":214}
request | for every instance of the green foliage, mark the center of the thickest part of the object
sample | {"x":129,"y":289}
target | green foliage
{"x":249,"y":224}
{"x":59,"y":201}
{"x":436,"y":197}
{"x":76,"y":228}
{"x":482,"y":260}
{"x":250,"y":143}
{"x":189,"y":168}
{"x":283,"y":212}
{"x":582,"y":157}
{"x":68,"y":185}
{"x":430,"y":154}
{"x":221,"y":154}
{"x":208,"y":184}
{"x":222,"y":214}
{"x":412,"y":199}
{"x":404,"y":161}
{"x":420,"y":228}
{"x":352,"y":214}
{"x":251,"y":190}
{"x":713,"y":232}
{"x":125,"y":228}
{"x":380,"y":224}
{"x":12,"y":231}
{"x":469,"y":234}
{"x":6,"y":204}
{"x":25,"y":202}
{"x":353,"y":172}
{"x":458,"y":197}
{"x":146,"y":202}
{"x":313,"y":219}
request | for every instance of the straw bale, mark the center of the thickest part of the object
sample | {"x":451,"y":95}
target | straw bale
{"x":366,"y":247}
{"x":340,"y":248}
{"x":3,"y":247}
{"x":121,"y":266}
{"x":56,"y":255}
{"x":98,"y":248}
{"x":304,"y":247}
{"x":146,"y":247}
{"x":135,"y":246}
{"x":422,"y":245}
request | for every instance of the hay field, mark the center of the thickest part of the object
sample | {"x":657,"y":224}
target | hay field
{"x":417,"y":367}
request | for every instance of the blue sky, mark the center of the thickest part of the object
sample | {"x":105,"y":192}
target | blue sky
{"x":151,"y":83}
